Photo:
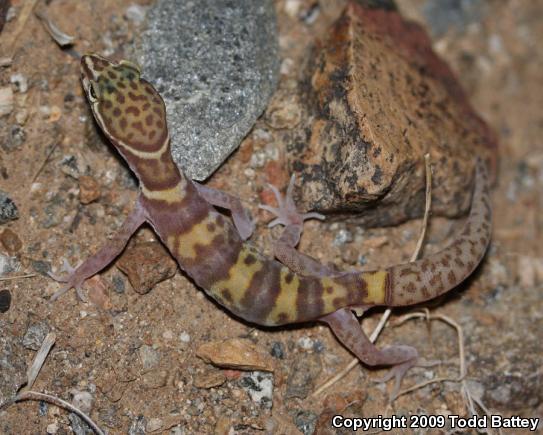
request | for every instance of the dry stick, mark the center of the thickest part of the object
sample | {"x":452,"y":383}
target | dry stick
{"x":468,"y":397}
{"x":11,"y":278}
{"x":34,"y":395}
{"x":32,"y":374}
{"x":39,"y":359}
{"x":384,"y":318}
{"x":461,"y":352}
{"x":48,"y":155}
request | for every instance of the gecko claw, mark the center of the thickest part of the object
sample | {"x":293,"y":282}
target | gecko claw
{"x":67,"y":276}
{"x":399,"y":371}
{"x":286,"y":213}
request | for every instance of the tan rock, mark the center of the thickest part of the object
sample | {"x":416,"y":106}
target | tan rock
{"x":235,"y":353}
{"x":375,"y":98}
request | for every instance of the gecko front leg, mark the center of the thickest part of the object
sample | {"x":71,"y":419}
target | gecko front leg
{"x":242,"y":221}
{"x":106,"y":254}
{"x":284,"y":248}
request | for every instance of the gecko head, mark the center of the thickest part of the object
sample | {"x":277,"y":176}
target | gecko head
{"x":127,"y":108}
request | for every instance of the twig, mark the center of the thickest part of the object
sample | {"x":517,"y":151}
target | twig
{"x":49,"y":153}
{"x":34,"y":395}
{"x":39,"y":359}
{"x":61,"y":38}
{"x":384,"y":318}
{"x":461,"y":352}
{"x":11,"y":278}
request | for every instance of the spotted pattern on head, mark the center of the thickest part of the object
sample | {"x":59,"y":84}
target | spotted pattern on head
{"x":128,"y":108}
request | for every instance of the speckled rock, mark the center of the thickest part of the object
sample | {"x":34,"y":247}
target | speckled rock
{"x":12,"y":364}
{"x":375,"y":98}
{"x":215,"y":63}
{"x":8,"y":209}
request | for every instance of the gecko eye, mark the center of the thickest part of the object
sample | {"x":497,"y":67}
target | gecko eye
{"x":92,"y":92}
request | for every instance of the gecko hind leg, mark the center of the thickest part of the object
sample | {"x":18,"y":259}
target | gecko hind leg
{"x":346,"y":328}
{"x":75,"y":277}
{"x":240,"y":215}
{"x":285,"y":251}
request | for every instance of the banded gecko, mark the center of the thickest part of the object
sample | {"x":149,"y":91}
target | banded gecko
{"x":291,"y":288}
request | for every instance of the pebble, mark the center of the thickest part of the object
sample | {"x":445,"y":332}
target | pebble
{"x":146,"y":264}
{"x":10,"y":241}
{"x":306,"y":421}
{"x":306,"y":343}
{"x":52,"y":428}
{"x":6,"y":101}
{"x":5,"y":301}
{"x":259,"y":386}
{"x":8,"y":264}
{"x":78,"y":425}
{"x":149,"y":357}
{"x":8,"y":209}
{"x":277,"y":350}
{"x":209,"y":379}
{"x":137,"y":427}
{"x":34,"y":335}
{"x":89,"y":189}
{"x":184,"y":337}
{"x":135,"y":13}
{"x":304,"y":371}
{"x":154,"y":424}
{"x":16,"y":138}
{"x":217,"y":67}
{"x":236,"y":353}
{"x":20,"y":81}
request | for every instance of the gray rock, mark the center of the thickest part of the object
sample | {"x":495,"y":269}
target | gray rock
{"x":149,"y":357}
{"x":34,"y":335}
{"x":259,"y":385}
{"x":215,"y":63}
{"x":8,"y":209}
{"x":79,"y":426}
{"x":444,"y":14}
{"x":12,"y":364}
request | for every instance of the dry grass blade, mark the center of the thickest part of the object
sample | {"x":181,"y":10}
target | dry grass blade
{"x":34,"y":395}
{"x":58,"y":36}
{"x":12,"y":278}
{"x":39,"y":359}
{"x":384,"y":318}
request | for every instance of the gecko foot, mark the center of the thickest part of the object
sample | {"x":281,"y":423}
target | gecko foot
{"x":399,"y":371}
{"x":69,"y":277}
{"x":286,"y":213}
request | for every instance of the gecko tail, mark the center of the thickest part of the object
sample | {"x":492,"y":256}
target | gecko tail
{"x":430,"y":277}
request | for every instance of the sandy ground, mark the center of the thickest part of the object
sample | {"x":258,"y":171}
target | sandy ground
{"x":137,"y":356}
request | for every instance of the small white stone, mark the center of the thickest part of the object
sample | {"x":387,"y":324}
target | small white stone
{"x":82,"y":400}
{"x":135,"y":13}
{"x":154,"y":424}
{"x":184,"y":337}
{"x":167,"y":335}
{"x":20,"y":81}
{"x":306,"y":343}
{"x":52,"y":428}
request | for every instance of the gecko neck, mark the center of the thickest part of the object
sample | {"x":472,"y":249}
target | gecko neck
{"x":156,"y":173}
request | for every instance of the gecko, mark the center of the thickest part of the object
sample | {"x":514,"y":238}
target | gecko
{"x":214,"y":251}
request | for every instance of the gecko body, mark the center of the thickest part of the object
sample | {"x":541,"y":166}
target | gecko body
{"x":215,"y":254}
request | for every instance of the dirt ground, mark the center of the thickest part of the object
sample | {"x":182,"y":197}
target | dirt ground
{"x":136,"y":354}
